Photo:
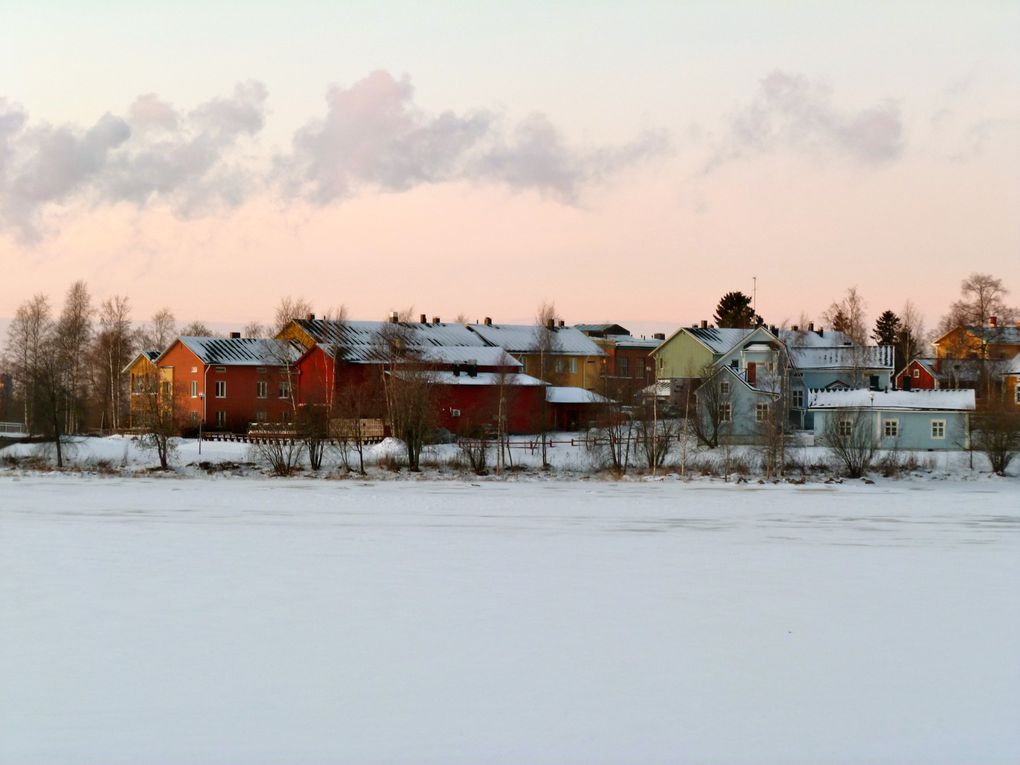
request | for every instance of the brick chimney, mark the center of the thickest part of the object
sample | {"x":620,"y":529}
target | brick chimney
{"x":436,"y":320}
{"x":235,"y":335}
{"x":488,"y":321}
{"x":393,"y":317}
{"x":562,"y":323}
{"x":704,"y":324}
{"x":993,"y":321}
{"x":310,"y":316}
{"x":550,"y":324}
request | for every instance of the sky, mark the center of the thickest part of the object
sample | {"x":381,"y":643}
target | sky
{"x":630,"y":162}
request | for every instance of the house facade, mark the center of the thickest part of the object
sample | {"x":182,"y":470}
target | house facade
{"x":918,"y":374}
{"x":991,"y":343}
{"x":225,"y":384}
{"x":142,"y":375}
{"x":918,"y":419}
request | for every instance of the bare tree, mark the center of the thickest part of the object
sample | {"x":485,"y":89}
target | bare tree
{"x":276,"y":444}
{"x":713,"y":412}
{"x":982,"y":296}
{"x":410,"y":390}
{"x":848,"y":316}
{"x":546,"y":346}
{"x":73,"y":336}
{"x":290,"y":308}
{"x":197,"y":329}
{"x":115,"y":342}
{"x":995,"y":432}
{"x":161,"y":419}
{"x":911,"y":338}
{"x":160,"y":331}
{"x":849,"y":435}
{"x":254,"y":329}
{"x":26,"y":339}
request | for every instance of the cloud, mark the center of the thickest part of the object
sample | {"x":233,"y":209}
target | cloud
{"x":156,"y":153}
{"x":374,"y":135}
{"x":792,"y":113}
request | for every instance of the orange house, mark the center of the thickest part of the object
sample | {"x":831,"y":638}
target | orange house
{"x":993,"y":343}
{"x":228,"y":383}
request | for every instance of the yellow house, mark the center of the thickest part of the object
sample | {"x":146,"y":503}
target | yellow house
{"x":558,"y":354}
{"x":690,"y":350}
{"x":993,"y":343}
{"x":142,"y":375}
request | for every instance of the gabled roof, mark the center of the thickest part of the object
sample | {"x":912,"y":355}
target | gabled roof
{"x":926,"y":363}
{"x":523,"y":338}
{"x":240,"y":351}
{"x":602,"y":330}
{"x":354,"y":334}
{"x":150,"y":355}
{"x":928,"y":400}
{"x":809,"y":338}
{"x":717,"y":339}
{"x":1006,"y":335}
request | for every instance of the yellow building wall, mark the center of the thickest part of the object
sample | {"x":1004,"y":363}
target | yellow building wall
{"x":565,"y":369}
{"x":681,"y":356}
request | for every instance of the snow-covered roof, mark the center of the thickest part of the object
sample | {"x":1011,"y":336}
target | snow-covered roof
{"x":523,"y":338}
{"x":484,"y":357}
{"x":868,"y":357}
{"x":566,"y":394}
{"x":809,"y":338}
{"x":629,"y":341}
{"x":369,"y":333}
{"x":602,"y":330}
{"x":485,"y":378}
{"x":1013,"y":368}
{"x":241,"y":351}
{"x":718,"y":340}
{"x":939,"y":400}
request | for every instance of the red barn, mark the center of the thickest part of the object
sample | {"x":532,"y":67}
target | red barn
{"x":228,"y":383}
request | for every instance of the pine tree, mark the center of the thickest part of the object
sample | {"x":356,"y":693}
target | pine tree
{"x":734,"y":310}
{"x":887,"y":328}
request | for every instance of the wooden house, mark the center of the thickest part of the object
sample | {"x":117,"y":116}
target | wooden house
{"x":991,"y":343}
{"x":918,"y":374}
{"x":142,"y":385}
{"x":226,"y":384}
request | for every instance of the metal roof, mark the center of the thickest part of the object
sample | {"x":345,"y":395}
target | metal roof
{"x":868,"y":357}
{"x":241,"y":351}
{"x":524,"y":338}
{"x":353,"y":334}
{"x":718,"y":340}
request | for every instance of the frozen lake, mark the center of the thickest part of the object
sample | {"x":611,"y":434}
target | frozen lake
{"x":260,"y":621}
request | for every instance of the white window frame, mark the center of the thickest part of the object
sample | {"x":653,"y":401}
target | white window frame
{"x":221,"y":370}
{"x":573,"y":365}
{"x":798,"y":399}
{"x":221,"y":389}
{"x":916,"y":373}
{"x":221,"y":418}
{"x":724,"y":387}
{"x":845,"y":427}
{"x":725,"y":412}
{"x":938,"y":430}
{"x":1016,"y":391}
{"x":194,"y":388}
{"x":261,"y":389}
{"x":891,"y":428}
{"x":284,"y":389}
{"x":761,"y":412}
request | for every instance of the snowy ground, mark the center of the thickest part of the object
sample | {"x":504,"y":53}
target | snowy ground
{"x":231,"y":620}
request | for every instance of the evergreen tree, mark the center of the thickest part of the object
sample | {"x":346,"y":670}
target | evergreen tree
{"x":887,"y":328}
{"x":734,"y":310}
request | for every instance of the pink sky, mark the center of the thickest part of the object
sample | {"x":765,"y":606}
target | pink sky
{"x":638,"y":192}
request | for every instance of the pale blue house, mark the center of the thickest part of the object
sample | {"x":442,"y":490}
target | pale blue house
{"x":919,"y":419}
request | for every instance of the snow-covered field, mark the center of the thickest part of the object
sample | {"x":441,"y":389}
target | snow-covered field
{"x":249,"y":620}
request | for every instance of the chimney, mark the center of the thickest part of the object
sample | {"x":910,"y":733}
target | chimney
{"x":993,"y":321}
{"x":811,"y":326}
{"x":659,"y":336}
{"x":235,"y":335}
{"x":796,"y":328}
{"x":821,"y":332}
{"x":436,"y":320}
{"x":704,"y":324}
{"x":772,"y":328}
{"x":472,"y":369}
{"x":393,"y":317}
{"x":561,"y":323}
{"x":423,"y":319}
{"x":550,"y":324}
{"x":488,"y":321}
{"x":310,"y":316}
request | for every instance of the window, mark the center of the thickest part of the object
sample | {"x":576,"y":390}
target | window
{"x":573,"y":366}
{"x":1016,"y":392}
{"x":622,"y":366}
{"x":846,"y":427}
{"x":194,"y":418}
{"x":221,"y":389}
{"x":798,"y":399}
{"x":916,"y":373}
{"x":261,"y":389}
{"x":194,"y":388}
{"x":221,"y":370}
{"x":938,"y":429}
{"x":735,"y":363}
{"x":168,"y":389}
{"x":194,"y":370}
{"x":260,"y":415}
{"x":260,"y":370}
{"x":724,"y":387}
{"x":761,"y":412}
{"x":221,"y":418}
{"x":455,"y":412}
{"x":891,"y":428}
{"x":284,"y":389}
{"x":726,"y":412}
{"x":559,"y":365}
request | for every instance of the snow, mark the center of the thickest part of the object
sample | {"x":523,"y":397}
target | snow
{"x":568,"y":394}
{"x":263,"y":621}
{"x":938,"y":400}
{"x":523,"y":338}
{"x":485,"y":378}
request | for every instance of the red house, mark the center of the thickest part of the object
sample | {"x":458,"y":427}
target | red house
{"x":228,"y":383}
{"x":919,"y":374}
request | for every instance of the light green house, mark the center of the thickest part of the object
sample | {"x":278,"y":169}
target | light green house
{"x":686,"y":353}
